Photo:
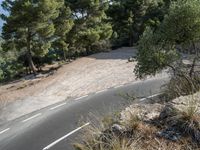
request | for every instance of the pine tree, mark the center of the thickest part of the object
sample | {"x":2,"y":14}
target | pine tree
{"x":30,"y":26}
{"x":63,"y":25}
{"x":91,"y":25}
{"x":129,"y":18}
{"x":161,"y":48}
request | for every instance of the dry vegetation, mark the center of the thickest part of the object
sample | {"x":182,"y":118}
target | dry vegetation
{"x":145,"y":126}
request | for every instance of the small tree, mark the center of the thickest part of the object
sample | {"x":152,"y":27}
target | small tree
{"x":158,"y":49}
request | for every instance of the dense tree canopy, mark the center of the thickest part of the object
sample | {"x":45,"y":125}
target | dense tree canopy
{"x":30,"y":27}
{"x":91,"y":26}
{"x":63,"y":24}
{"x":130,"y":17}
{"x":42,"y":31}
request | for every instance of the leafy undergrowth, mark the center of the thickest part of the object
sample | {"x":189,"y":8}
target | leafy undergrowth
{"x":171,"y":129}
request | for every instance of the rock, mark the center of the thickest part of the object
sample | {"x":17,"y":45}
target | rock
{"x":117,"y":129}
{"x":170,"y":134}
{"x":121,"y":131}
{"x":196,"y":136}
{"x":142,"y":111}
{"x":131,"y":59}
{"x":40,"y":75}
{"x":182,"y":102}
{"x":168,"y":111}
{"x":29,"y":77}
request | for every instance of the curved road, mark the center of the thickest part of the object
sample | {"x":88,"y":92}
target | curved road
{"x":37,"y":130}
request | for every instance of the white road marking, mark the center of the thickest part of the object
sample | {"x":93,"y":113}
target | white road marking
{"x":58,"y":106}
{"x":1,"y":132}
{"x":118,"y":86}
{"x":81,"y":97}
{"x":64,"y":137}
{"x":101,"y":91}
{"x":32,"y":117}
{"x":150,"y":96}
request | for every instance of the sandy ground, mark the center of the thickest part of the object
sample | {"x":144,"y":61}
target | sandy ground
{"x":83,"y":76}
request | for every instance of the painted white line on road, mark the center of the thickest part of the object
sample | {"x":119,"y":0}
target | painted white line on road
{"x":81,"y":97}
{"x":58,"y":106}
{"x":101,"y":91}
{"x":150,"y":96}
{"x":32,"y":117}
{"x":64,"y":137}
{"x":118,"y":86}
{"x":1,"y":132}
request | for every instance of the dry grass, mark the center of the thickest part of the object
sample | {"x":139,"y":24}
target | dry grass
{"x":144,"y":139}
{"x":182,"y":85}
{"x":174,"y":129}
{"x":139,"y":134}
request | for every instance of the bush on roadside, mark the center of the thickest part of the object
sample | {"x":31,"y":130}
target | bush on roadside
{"x":181,"y":85}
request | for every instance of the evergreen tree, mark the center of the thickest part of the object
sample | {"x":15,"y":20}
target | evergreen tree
{"x":91,"y":26}
{"x":63,"y":24}
{"x":30,"y":27}
{"x":129,"y":18}
{"x":160,"y":48}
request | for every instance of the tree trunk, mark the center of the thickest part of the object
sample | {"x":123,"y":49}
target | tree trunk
{"x":88,"y":50}
{"x":194,"y":60}
{"x":192,"y":67}
{"x":29,"y":56}
{"x":131,"y":40}
{"x":64,"y":55}
{"x":31,"y":64}
{"x":131,"y":37}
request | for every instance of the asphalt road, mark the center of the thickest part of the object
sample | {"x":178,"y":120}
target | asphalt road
{"x":37,"y":130}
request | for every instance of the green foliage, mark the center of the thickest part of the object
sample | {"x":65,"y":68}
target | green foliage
{"x":9,"y":67}
{"x":182,"y":24}
{"x":153,"y":55}
{"x":129,"y":18}
{"x":63,"y":24}
{"x":62,"y":29}
{"x":90,"y":25}
{"x":158,"y":48}
{"x":53,"y":30}
{"x":30,"y":27}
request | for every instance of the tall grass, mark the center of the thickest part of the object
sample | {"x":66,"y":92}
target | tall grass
{"x":181,"y":85}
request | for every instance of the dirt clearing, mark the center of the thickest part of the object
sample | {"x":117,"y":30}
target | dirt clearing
{"x":81,"y":77}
